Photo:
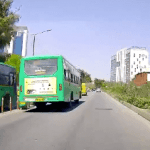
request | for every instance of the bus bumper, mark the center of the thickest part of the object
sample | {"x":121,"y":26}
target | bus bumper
{"x":43,"y":99}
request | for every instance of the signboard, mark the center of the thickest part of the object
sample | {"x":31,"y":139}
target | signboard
{"x":40,"y":86}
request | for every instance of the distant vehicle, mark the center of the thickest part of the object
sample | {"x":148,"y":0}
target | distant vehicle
{"x":48,"y":79}
{"x":84,"y":92}
{"x":98,"y":90}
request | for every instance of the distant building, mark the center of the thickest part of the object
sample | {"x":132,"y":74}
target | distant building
{"x":127,"y":63}
{"x":18,"y":44}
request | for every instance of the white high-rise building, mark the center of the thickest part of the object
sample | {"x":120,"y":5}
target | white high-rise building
{"x":128,"y":62}
{"x":121,"y":68}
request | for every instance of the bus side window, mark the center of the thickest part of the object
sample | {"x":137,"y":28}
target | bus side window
{"x":78,"y":80}
{"x":14,"y":78}
{"x":11,"y":79}
{"x":68,"y":76}
{"x":74,"y":79}
{"x":65,"y":74}
{"x":71,"y":78}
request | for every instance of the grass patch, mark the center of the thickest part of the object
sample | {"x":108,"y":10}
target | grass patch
{"x":137,"y":96}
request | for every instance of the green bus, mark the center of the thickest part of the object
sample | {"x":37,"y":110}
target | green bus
{"x":48,"y":79}
{"x":8,"y":86}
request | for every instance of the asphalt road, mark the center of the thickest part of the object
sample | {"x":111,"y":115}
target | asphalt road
{"x":98,"y":122}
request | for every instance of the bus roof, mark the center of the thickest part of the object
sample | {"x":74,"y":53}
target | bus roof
{"x":1,"y":63}
{"x":42,"y":56}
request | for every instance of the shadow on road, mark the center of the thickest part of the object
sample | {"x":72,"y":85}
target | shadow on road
{"x":57,"y":108}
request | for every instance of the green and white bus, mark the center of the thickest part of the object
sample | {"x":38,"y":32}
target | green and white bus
{"x":8,"y":86}
{"x":48,"y":79}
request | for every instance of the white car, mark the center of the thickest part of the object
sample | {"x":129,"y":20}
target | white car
{"x":98,"y":90}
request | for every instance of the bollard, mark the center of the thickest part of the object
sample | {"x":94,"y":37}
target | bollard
{"x":10,"y":104}
{"x":2,"y":106}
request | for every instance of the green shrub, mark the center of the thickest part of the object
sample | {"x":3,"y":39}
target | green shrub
{"x":146,"y":106}
{"x":136,"y":103}
{"x":131,"y":100}
{"x":140,"y":105}
{"x":138,"y":96}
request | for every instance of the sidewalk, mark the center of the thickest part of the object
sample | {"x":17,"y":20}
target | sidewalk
{"x":142,"y":112}
{"x":15,"y":111}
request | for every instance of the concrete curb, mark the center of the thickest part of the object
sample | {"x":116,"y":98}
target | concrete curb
{"x":145,"y":113}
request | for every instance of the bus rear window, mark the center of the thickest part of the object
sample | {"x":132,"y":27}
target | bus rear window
{"x":40,"y":66}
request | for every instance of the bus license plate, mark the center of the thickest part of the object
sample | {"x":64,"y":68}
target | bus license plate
{"x":39,"y":99}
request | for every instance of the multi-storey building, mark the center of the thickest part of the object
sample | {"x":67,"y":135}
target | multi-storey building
{"x":18,"y":44}
{"x":131,"y":62}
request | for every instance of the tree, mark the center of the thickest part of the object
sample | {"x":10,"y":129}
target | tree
{"x":15,"y":60}
{"x":86,"y":78}
{"x":98,"y":83}
{"x":90,"y":86}
{"x":7,"y":21}
{"x":4,"y":57}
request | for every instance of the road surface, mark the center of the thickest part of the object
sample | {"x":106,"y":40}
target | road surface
{"x":98,"y":122}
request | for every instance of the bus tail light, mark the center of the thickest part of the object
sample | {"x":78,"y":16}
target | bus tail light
{"x":60,"y":87}
{"x":21,"y":88}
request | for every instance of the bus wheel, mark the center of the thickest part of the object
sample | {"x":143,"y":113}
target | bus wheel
{"x":76,"y":101}
{"x":70,"y":102}
{"x":80,"y":95}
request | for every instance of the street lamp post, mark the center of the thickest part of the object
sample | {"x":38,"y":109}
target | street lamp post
{"x":33,"y":44}
{"x":34,"y":39}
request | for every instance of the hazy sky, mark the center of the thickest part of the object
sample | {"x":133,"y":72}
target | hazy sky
{"x":86,"y":32}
